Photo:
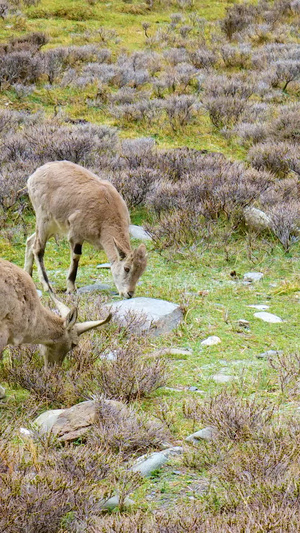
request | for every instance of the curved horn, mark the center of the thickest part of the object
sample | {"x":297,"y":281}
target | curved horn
{"x":86,"y":326}
{"x":63,"y":309}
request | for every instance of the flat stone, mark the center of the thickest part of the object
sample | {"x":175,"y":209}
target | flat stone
{"x":211,"y":341}
{"x":268,"y":317}
{"x":253,"y":276}
{"x":96,"y":287}
{"x":207,"y":433}
{"x":2,"y":392}
{"x":145,"y":465}
{"x":222,"y":378}
{"x":138,"y":232}
{"x":154,"y":316}
{"x":269,"y":353}
{"x":260,"y":307}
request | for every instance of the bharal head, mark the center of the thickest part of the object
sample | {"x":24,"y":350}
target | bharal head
{"x":128,"y":268}
{"x":55,"y":351}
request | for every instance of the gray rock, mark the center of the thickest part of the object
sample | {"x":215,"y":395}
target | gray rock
{"x":2,"y":392}
{"x":257,"y":219}
{"x":147,"y":315}
{"x":269,"y":353}
{"x":211,"y":341}
{"x":96,"y":287}
{"x":253,"y":276}
{"x":46,"y":420}
{"x":207,"y":433}
{"x":138,"y":232}
{"x":70,"y":424}
{"x":149,"y":465}
{"x":268,"y":317}
{"x":145,"y":465}
{"x":193,"y":388}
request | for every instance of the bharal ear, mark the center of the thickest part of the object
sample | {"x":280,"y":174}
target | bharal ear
{"x":71,"y":318}
{"x":121,"y":253}
{"x":141,"y":251}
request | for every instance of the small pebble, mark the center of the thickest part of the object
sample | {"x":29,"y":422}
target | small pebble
{"x":211,"y":341}
{"x":253,"y":276}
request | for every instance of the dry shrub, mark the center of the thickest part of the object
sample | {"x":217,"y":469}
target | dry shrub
{"x":179,"y":228}
{"x":287,"y":367}
{"x":124,"y":431}
{"x":285,"y":222}
{"x":54,"y":385}
{"x":180,"y":110}
{"x":130,"y":376}
{"x":225,"y":110}
{"x":233,"y":417}
{"x":287,"y":125}
{"x":40,"y":484}
{"x":237,"y":18}
{"x":239,"y":56}
{"x":31,"y":41}
{"x":145,"y":110}
{"x":228,"y":86}
{"x":284,"y":72}
{"x":203,"y":58}
{"x":276,"y":157}
{"x":134,"y":153}
{"x":20,"y":67}
{"x":134,"y":185}
{"x":250,"y":133}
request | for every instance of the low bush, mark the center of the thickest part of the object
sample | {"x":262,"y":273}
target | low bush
{"x":276,"y":157}
{"x":234,"y":418}
{"x":125,"y":432}
{"x":237,"y":18}
{"x":129,"y":376}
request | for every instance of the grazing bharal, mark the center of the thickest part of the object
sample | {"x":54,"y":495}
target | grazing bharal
{"x":24,"y":320}
{"x":70,"y":200}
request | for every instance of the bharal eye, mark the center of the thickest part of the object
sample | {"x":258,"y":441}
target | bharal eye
{"x":127,"y":269}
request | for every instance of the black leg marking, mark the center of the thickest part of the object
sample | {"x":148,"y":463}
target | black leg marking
{"x":77,"y":249}
{"x":73,"y":273}
{"x":40,"y":255}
